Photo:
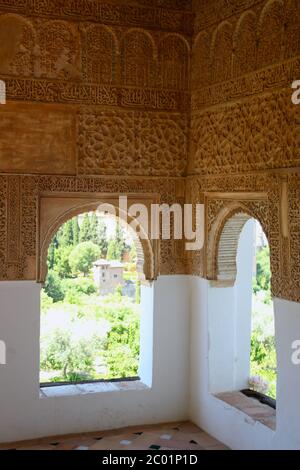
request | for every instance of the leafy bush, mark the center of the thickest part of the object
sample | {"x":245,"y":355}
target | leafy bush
{"x":61,"y":261}
{"x":263,"y":359}
{"x":122,"y":362}
{"x":46,"y":301}
{"x":114,"y":250}
{"x":263,"y":274}
{"x":123,"y":348}
{"x":263,"y":351}
{"x":96,"y":338}
{"x":75,"y":288}
{"x":53,"y":287}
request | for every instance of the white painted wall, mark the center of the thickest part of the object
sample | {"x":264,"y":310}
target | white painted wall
{"x":23,"y":415}
{"x":243,"y":305}
{"x":216,"y":339}
{"x":181,"y":351}
{"x":229,"y":323}
{"x":223,"y":421}
{"x":287,"y":327}
{"x":146,"y":335}
{"x":214,"y":416}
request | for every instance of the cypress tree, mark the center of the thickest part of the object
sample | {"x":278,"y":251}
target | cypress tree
{"x":117,"y":246}
{"x":102,"y":238}
{"x":120,"y":240}
{"x":94,"y":228}
{"x":76,"y":231}
{"x":66,"y":238}
{"x":51,"y":254}
{"x":85,"y":229}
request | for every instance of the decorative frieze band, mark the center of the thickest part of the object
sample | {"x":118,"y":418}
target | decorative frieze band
{"x":179,"y":20}
{"x":252,"y":84}
{"x":213,"y":11}
{"x":48,"y":91}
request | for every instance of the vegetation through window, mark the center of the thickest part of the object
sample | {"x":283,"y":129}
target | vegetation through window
{"x":263,"y":352}
{"x":90,"y":304}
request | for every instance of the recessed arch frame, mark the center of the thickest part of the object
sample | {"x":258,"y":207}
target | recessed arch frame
{"x":54,"y":211}
{"x":223,"y":234}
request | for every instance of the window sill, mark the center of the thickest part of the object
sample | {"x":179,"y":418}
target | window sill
{"x":255,"y":410}
{"x":91,"y":389}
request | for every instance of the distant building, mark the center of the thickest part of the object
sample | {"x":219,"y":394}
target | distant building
{"x":108,"y":275}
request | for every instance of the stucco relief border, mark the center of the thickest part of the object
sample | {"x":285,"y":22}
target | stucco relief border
{"x":54,"y":209}
{"x":233,"y":209}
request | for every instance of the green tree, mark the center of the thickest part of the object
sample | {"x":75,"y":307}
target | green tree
{"x":67,"y":237}
{"x":51,"y":253}
{"x":97,"y":233}
{"x":58,"y":236}
{"x":74,"y":358}
{"x":61,"y":261}
{"x":102,"y":238}
{"x":61,"y":246}
{"x":118,"y":291}
{"x":120,"y":238}
{"x":133,"y":254}
{"x":75,"y":288}
{"x":123,"y":348}
{"x":53,"y":286}
{"x":117,"y":245}
{"x":76,"y":231}
{"x":263,"y":273}
{"x":46,"y":302}
{"x":83,"y":256}
{"x":94,"y":228}
{"x":85,"y":229}
{"x":114,"y":251}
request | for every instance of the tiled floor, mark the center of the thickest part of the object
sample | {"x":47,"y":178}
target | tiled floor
{"x":178,"y":436}
{"x":251,"y":407}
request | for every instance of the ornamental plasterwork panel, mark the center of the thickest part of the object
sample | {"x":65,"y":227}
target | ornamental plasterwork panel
{"x":23,"y":234}
{"x":254,"y":134}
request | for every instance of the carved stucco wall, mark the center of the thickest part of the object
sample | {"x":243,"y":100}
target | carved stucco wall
{"x":245,"y":133}
{"x":19,"y":222}
{"x":97,"y":103}
{"x":127,"y":97}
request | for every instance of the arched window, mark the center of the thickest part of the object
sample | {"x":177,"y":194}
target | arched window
{"x":242,"y":355}
{"x":91,"y":303}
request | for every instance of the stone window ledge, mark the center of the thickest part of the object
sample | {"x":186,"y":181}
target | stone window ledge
{"x":91,"y":388}
{"x":257,"y":411}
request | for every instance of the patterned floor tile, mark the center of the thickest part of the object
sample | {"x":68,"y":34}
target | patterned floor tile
{"x":173,"y":436}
